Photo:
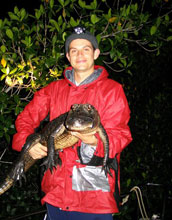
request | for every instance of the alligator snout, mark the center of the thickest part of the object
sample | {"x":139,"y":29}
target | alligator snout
{"x":79,"y":123}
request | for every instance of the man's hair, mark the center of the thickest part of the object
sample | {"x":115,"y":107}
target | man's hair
{"x":81,"y":33}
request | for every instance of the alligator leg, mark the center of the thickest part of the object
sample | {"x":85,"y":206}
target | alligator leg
{"x":24,"y":162}
{"x":105,"y":140}
{"x":53,"y":158}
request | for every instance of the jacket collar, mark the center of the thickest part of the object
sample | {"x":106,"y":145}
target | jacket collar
{"x":98,"y":74}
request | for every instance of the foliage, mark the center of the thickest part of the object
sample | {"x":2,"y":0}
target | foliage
{"x":32,"y":46}
{"x":20,"y":199}
{"x":10,"y":107}
{"x":134,"y":41}
{"x":147,"y":159}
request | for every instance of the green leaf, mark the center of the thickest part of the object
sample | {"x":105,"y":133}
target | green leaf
{"x":15,"y":29}
{"x":4,"y":70}
{"x":67,"y":2}
{"x":9,"y":33}
{"x":8,"y":81}
{"x":130,"y":63}
{"x":136,"y":32}
{"x":111,"y":42}
{"x":128,"y":10}
{"x":16,"y":99}
{"x":81,"y":3}
{"x":1,"y":23}
{"x":13,"y":71}
{"x":123,"y":61}
{"x":167,"y":18}
{"x":22,"y":13}
{"x":53,"y":22}
{"x":92,"y":6}
{"x":129,"y":72}
{"x":42,"y":9}
{"x":125,"y":35}
{"x":13,"y":16}
{"x":153,"y":30}
{"x":20,"y":80}
{"x":7,"y":137}
{"x":112,"y":53}
{"x":3,"y":76}
{"x":16,"y":10}
{"x":3,"y":48}
{"x":51,"y":3}
{"x":110,"y":13}
{"x":37,"y":14}
{"x":24,"y":42}
{"x":50,"y":62}
{"x":94,"y":18}
{"x":64,"y":36}
{"x":60,"y":20}
{"x":73,"y":23}
{"x":27,"y":41}
{"x":115,"y":59}
{"x":169,"y":38}
{"x":158,"y":21}
{"x":128,"y":182}
{"x":54,"y":40}
{"x":98,"y":37}
{"x":136,"y":7}
{"x":61,"y":2}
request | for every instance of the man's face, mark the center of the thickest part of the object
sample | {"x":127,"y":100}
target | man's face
{"x":81,"y":55}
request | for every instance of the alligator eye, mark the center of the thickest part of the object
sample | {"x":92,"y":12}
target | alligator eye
{"x":74,"y":106}
{"x":89,"y":107}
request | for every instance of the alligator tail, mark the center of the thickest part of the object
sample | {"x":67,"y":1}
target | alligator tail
{"x":6,"y":184}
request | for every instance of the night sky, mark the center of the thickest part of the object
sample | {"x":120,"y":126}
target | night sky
{"x":8,"y":5}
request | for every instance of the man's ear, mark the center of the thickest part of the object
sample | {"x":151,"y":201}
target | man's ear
{"x":68,"y":57}
{"x":96,"y":54}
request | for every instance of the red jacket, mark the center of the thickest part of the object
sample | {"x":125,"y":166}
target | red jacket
{"x":108,"y":97}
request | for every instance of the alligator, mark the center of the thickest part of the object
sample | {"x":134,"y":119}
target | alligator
{"x":56,"y":135}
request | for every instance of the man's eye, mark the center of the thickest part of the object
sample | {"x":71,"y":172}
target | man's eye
{"x":73,"y":51}
{"x":86,"y":49}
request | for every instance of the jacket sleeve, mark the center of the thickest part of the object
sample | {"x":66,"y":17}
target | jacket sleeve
{"x":31,"y":117}
{"x":115,"y":116}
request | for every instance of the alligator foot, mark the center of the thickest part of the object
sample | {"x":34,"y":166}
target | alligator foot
{"x":52,"y":161}
{"x":58,"y":161}
{"x":49,"y":164}
{"x":17,"y":173}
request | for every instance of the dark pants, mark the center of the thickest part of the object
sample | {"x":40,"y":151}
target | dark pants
{"x":54,"y":213}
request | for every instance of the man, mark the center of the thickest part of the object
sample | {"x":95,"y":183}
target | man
{"x":75,"y":190}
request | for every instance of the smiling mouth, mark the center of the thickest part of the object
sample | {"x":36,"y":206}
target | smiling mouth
{"x":81,"y":61}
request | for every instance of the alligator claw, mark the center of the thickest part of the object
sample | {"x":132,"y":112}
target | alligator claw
{"x":106,"y":169}
{"x":51,"y":162}
{"x":23,"y":176}
{"x":57,"y":159}
{"x":18,"y":172}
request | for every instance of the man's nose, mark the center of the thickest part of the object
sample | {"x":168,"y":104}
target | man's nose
{"x":80,"y":53}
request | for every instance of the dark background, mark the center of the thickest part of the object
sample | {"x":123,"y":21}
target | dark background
{"x":148,"y":93}
{"x":8,"y":5}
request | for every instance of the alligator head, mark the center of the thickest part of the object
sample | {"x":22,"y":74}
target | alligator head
{"x":82,"y":117}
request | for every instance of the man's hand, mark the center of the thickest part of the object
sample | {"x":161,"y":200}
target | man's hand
{"x":89,"y":138}
{"x":38,"y":151}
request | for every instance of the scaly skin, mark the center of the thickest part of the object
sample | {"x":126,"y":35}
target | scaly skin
{"x":57,"y":135}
